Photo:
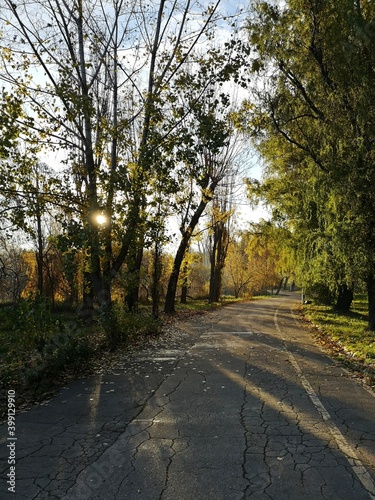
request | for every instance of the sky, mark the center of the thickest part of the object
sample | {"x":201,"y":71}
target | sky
{"x":253,"y":169}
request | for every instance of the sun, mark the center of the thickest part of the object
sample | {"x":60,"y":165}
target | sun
{"x":101,"y":219}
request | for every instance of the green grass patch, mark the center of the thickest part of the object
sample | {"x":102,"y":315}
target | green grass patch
{"x":348,"y":331}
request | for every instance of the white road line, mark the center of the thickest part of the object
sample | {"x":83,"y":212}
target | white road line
{"x":353,"y":459}
{"x":363,"y":385}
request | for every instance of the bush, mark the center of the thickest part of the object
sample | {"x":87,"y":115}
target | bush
{"x":122,"y":327}
{"x":69,"y":348}
{"x":27,"y":325}
{"x":36,"y":346}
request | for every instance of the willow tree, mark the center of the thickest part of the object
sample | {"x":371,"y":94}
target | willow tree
{"x":318,"y":106}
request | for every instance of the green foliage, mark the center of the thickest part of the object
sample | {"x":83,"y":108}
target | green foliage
{"x":39,"y":347}
{"x":11,"y":110}
{"x":35,"y":346}
{"x":29,"y":324}
{"x":314,"y":125}
{"x":321,"y":293}
{"x":66,"y":349}
{"x":122,"y":327}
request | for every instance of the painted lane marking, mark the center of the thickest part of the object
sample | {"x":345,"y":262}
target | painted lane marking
{"x":359,"y":470}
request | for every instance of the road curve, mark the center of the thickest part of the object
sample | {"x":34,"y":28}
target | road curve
{"x":241,"y":405}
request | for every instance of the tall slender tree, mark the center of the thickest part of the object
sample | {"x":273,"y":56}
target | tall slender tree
{"x":208,"y":166}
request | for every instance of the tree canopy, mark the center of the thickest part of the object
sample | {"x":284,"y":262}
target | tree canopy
{"x":313,"y":122}
{"x":138,"y":102}
{"x":121,"y":88}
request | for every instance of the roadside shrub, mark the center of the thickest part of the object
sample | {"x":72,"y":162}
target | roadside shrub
{"x":39,"y":348}
{"x":27,"y":325}
{"x":35,"y":346}
{"x":68,"y":348}
{"x":122,"y":327}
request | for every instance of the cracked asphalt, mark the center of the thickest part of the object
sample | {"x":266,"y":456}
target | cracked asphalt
{"x":241,"y":404}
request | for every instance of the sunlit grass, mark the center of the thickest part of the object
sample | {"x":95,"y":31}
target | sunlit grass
{"x":349,"y":330}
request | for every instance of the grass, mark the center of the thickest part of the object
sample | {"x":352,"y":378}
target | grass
{"x":40,"y":350}
{"x":197,"y":305}
{"x":345,"y":334}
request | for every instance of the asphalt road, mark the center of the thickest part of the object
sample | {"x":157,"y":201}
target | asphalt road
{"x":240,"y":404}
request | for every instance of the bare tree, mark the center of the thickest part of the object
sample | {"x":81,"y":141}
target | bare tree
{"x":13,"y":271}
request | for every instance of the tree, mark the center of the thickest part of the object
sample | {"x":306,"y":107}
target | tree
{"x":207,"y":165}
{"x":184,"y":275}
{"x":13,"y":271}
{"x":238,"y":274}
{"x":314,"y":124}
{"x":222,"y":211}
{"x":219,"y":237}
{"x":100,"y":80}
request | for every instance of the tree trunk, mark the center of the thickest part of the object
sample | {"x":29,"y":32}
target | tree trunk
{"x":219,"y":253}
{"x":218,"y":283}
{"x":286,"y":282}
{"x":40,"y":249}
{"x":134,"y":269}
{"x":170,"y":298}
{"x":184,"y":291}
{"x":344,"y":298}
{"x":39,"y":266}
{"x":371,"y":301}
{"x":104,"y":297}
{"x":213,"y":288}
{"x":215,"y":283}
{"x":155,"y":286}
{"x":280,"y":286}
{"x":86,"y":312}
